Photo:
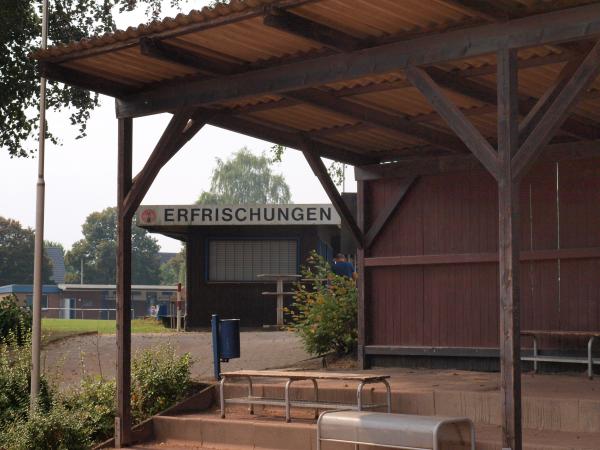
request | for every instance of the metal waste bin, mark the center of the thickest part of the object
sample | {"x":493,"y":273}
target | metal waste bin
{"x":229,"y":339}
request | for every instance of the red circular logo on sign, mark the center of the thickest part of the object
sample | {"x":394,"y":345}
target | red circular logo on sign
{"x":148,"y":216}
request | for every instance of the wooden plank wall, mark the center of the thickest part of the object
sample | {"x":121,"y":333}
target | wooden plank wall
{"x":456,"y":304}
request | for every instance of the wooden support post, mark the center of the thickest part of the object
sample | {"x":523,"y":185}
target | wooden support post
{"x":508,"y":245}
{"x":362,"y":275}
{"x":124,"y":182}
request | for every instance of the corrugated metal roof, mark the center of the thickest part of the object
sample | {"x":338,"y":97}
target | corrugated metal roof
{"x":235,"y":37}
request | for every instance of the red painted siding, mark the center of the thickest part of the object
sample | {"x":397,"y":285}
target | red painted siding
{"x":456,"y":305}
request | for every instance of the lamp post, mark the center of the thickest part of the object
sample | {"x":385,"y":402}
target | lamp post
{"x":36,"y":329}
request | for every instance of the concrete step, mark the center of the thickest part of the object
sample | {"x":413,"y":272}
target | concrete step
{"x":548,"y":411}
{"x":197,"y":431}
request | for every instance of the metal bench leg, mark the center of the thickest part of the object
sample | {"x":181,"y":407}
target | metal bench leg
{"x":472,"y":429}
{"x":222,"y":396}
{"x":359,"y":402}
{"x":535,"y":355}
{"x":250,"y":394}
{"x":388,"y":395}
{"x":316,"y":387}
{"x":590,"y":359}
{"x":288,"y":417}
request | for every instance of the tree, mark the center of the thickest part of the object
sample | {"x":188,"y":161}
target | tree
{"x":173,"y":271}
{"x":245,"y":178}
{"x":16,"y":254}
{"x":20,"y":32}
{"x":98,"y":250}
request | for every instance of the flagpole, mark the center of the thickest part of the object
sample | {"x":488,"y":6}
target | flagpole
{"x":36,"y":330}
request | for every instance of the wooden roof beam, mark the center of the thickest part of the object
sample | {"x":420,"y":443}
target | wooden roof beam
{"x":378,"y":118}
{"x":308,"y":29}
{"x":292,"y":139}
{"x":540,"y":29}
{"x":85,"y":81}
{"x":164,"y":51}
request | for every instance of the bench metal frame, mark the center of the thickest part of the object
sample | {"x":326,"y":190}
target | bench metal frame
{"x":590,"y":361}
{"x":317,"y":405}
{"x":435,"y":443}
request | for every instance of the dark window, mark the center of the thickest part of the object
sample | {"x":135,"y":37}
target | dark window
{"x":243,"y":260}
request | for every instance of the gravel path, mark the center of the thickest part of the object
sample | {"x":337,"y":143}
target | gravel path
{"x":68,"y":359}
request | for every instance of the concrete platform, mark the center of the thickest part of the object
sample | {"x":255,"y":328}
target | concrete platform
{"x":560,"y":412}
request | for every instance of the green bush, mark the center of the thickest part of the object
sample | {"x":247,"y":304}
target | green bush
{"x":14,"y":320}
{"x":159,"y":379}
{"x":15,"y":376}
{"x":94,"y":403}
{"x":56,"y":429}
{"x":324,"y":311}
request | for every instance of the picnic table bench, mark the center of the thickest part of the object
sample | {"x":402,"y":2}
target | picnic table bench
{"x":535,"y":334}
{"x":401,"y":431}
{"x":291,"y":377}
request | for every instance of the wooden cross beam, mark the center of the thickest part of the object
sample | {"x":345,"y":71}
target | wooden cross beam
{"x":455,"y":119}
{"x":574,"y":23}
{"x":177,"y":133}
{"x":557,"y":111}
{"x":463,"y":163}
{"x":473,"y":89}
{"x":320,"y":171}
{"x":385,"y":215}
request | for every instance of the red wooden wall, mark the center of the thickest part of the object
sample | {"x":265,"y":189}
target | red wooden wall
{"x":421,"y":302}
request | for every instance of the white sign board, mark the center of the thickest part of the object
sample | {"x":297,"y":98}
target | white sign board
{"x":205,"y":215}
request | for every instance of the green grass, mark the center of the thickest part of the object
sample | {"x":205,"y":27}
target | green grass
{"x":54,"y":329}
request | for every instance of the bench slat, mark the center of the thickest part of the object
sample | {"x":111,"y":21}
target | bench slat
{"x":303,"y":375}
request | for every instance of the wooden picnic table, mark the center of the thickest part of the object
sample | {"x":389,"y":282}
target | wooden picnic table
{"x":589,"y":335}
{"x":293,"y":376}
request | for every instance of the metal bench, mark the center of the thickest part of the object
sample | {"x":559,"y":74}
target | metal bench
{"x":536,"y":357}
{"x":293,"y":376}
{"x":402,"y":431}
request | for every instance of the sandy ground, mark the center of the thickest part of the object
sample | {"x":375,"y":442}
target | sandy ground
{"x":68,"y":359}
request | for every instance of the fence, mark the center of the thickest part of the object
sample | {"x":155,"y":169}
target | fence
{"x":85,"y":313}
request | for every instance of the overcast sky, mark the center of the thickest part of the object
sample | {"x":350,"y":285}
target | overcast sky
{"x":81,"y":174}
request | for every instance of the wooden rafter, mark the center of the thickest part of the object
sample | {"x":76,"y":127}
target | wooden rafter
{"x":309,"y":29}
{"x":289,"y":138}
{"x":85,"y":81}
{"x":320,"y":171}
{"x":158,"y":49}
{"x":378,"y":118}
{"x":387,"y":212}
{"x":574,"y":23}
{"x":455,"y":119}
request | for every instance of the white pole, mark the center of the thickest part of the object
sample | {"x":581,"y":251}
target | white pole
{"x":36,"y":331}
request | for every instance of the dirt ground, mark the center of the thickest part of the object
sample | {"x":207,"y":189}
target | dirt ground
{"x":67,"y":360}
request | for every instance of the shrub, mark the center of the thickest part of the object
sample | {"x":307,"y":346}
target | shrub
{"x":324,"y":311}
{"x":159,"y":379}
{"x":56,"y":429}
{"x":15,"y":376}
{"x":94,"y":403}
{"x":14,"y":320}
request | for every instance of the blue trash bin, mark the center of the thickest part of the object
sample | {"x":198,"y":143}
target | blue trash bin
{"x":229,"y":339}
